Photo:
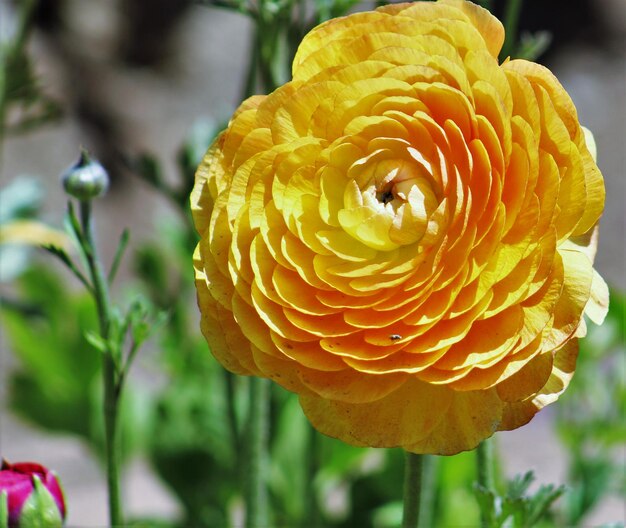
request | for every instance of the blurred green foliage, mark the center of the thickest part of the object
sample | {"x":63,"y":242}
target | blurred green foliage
{"x":591,"y":416}
{"x":54,"y":386}
{"x":516,"y":508}
{"x":57,"y":383}
{"x":23,"y":104}
{"x":21,"y":199}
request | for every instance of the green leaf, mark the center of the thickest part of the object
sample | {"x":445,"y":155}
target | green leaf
{"x":96,"y":341}
{"x":56,"y":364}
{"x":119,"y":253}
{"x":488,"y":505}
{"x":541,"y":502}
{"x":65,"y":258}
{"x":516,"y":508}
{"x":143,"y":320}
{"x":519,"y":485}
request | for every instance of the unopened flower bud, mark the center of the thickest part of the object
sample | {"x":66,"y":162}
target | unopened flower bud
{"x":86,"y":179}
{"x":30,"y":496}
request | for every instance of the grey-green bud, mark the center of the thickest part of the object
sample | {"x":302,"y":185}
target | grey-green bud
{"x":86,"y":179}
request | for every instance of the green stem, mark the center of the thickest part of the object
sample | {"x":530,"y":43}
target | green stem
{"x":109,"y":371}
{"x":511,"y":21}
{"x":484,"y":461}
{"x":229,"y":379}
{"x":420,"y":485}
{"x":256,"y":490}
{"x":311,"y":511}
{"x":413,"y":485}
{"x":429,"y":490}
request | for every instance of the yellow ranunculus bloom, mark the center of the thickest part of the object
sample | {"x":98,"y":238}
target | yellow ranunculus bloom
{"x":404,"y":233}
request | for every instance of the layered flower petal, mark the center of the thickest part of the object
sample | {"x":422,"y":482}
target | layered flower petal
{"x":404,"y":233}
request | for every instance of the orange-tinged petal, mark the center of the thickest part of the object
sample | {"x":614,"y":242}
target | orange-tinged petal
{"x":517,"y":414}
{"x":527,"y":381}
{"x":470,"y":418}
{"x":402,"y":418}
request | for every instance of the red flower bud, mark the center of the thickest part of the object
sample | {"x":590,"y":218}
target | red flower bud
{"x":29,"y":493}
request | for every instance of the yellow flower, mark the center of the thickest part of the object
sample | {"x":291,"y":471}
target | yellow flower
{"x":404,"y":233}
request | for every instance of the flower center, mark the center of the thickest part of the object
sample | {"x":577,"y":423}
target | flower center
{"x":385,"y":195}
{"x":389,"y":200}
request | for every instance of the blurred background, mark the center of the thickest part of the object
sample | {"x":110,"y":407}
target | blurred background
{"x":144,"y":84}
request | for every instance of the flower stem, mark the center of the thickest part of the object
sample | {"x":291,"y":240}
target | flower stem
{"x":413,"y":486}
{"x":256,"y":490}
{"x":109,"y":370}
{"x":429,"y":488}
{"x":311,"y":511}
{"x":484,"y":461}
{"x":229,"y":380}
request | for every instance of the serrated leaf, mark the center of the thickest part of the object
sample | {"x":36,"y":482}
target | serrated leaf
{"x":541,"y":502}
{"x":487,"y":503}
{"x":519,"y":485}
